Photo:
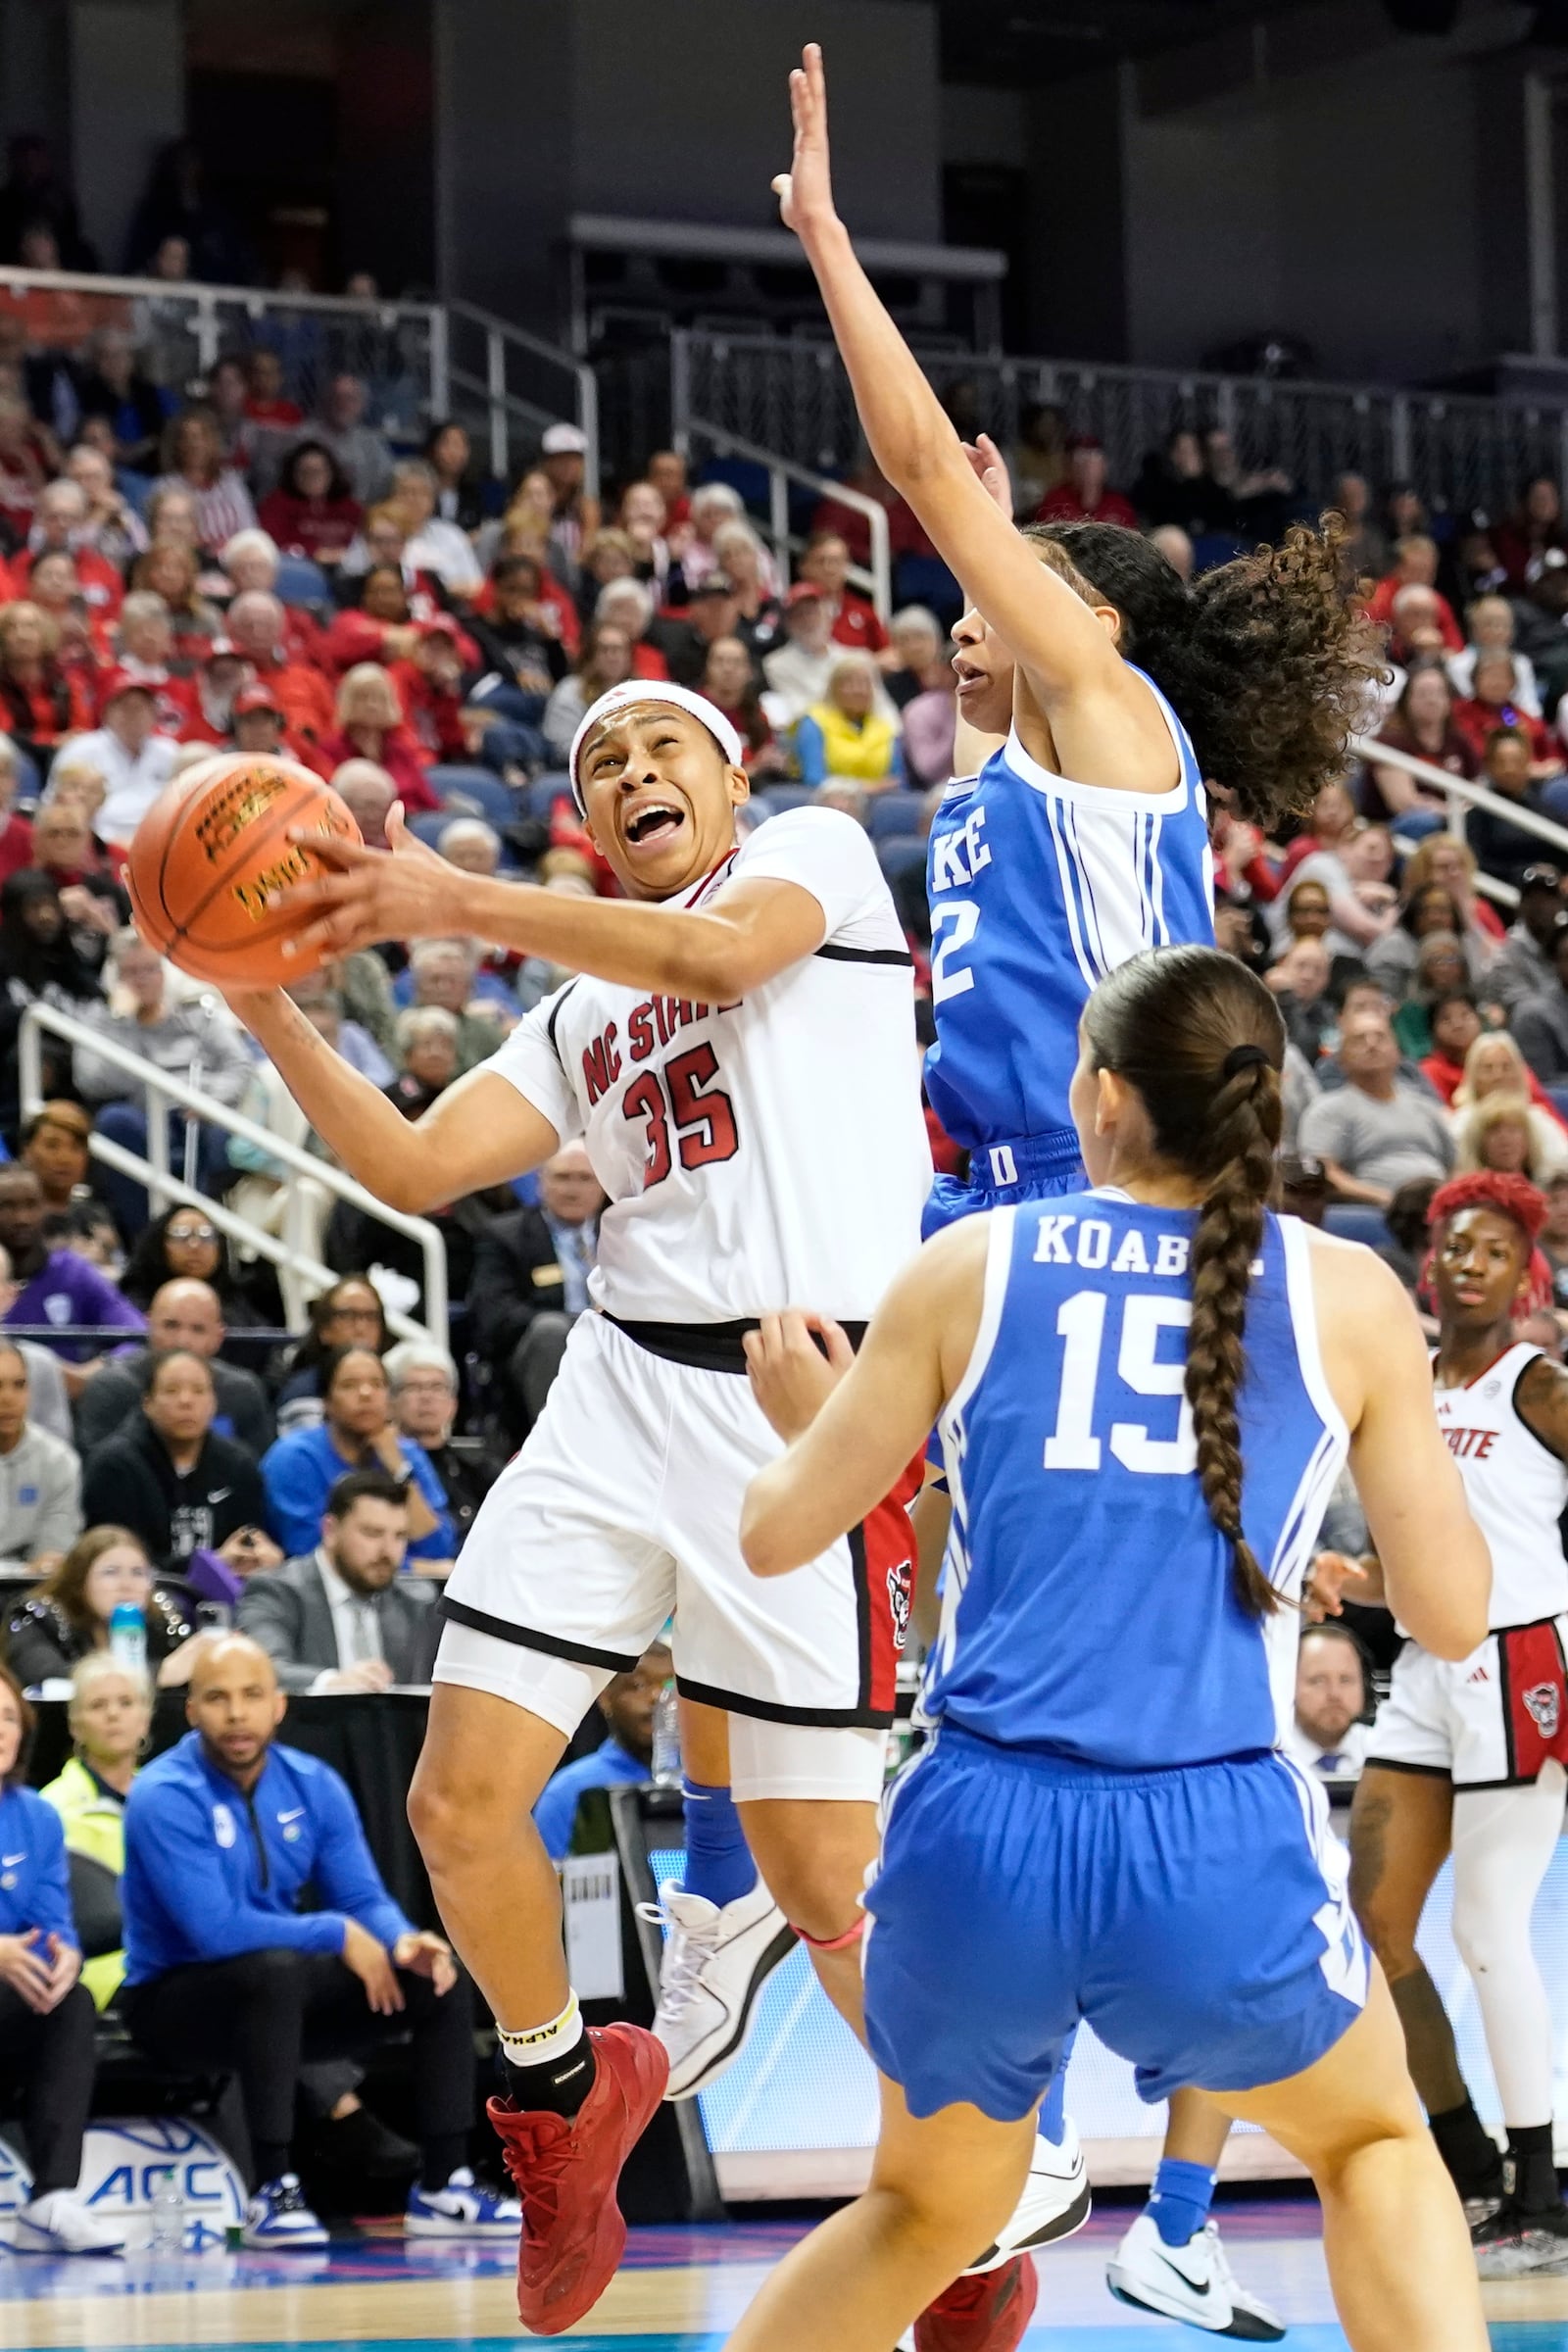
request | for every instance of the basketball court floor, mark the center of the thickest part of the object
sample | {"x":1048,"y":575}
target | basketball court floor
{"x":680,"y":2290}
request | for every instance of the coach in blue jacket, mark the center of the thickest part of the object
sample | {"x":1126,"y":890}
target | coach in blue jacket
{"x":222,"y":1969}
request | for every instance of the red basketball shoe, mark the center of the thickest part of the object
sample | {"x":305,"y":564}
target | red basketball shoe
{"x":565,"y":2173}
{"x":986,"y":2310}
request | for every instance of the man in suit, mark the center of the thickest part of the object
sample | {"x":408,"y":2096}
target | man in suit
{"x":341,"y":1618}
{"x":530,"y":1283}
{"x":183,"y":1314}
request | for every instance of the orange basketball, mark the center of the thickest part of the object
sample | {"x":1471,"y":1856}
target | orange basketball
{"x":211,"y":857}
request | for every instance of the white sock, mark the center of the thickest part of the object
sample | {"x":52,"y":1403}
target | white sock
{"x":542,"y":2046}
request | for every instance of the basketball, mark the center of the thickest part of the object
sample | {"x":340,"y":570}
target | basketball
{"x":211,"y":857}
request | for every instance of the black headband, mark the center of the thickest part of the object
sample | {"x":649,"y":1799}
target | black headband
{"x":1238,"y":1058}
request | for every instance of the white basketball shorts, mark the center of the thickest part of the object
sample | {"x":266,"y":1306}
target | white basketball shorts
{"x":1487,"y":1721}
{"x":622,"y":1513}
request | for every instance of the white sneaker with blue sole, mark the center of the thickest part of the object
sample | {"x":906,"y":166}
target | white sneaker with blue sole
{"x":59,"y":2223}
{"x":462,"y":2209}
{"x":278,"y":2218}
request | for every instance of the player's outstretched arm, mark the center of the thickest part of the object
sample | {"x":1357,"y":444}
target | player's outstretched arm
{"x":873,"y":1413}
{"x":1437,"y":1570}
{"x":478,"y":1132}
{"x":749,"y":932}
{"x":1067,"y":652}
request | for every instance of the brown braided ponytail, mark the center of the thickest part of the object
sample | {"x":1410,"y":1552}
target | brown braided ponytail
{"x":1201,"y":1043}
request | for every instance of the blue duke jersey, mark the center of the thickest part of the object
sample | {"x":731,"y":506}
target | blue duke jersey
{"x":1039,"y":887}
{"x":1089,"y":1609}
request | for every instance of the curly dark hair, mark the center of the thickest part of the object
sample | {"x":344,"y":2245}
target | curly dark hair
{"x":1263,"y":660}
{"x":1170,"y":1022}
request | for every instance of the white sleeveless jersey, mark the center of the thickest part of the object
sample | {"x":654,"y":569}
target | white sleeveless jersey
{"x":1516,"y":1489}
{"x":765,"y":1154}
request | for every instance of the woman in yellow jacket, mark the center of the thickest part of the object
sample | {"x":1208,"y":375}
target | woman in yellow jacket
{"x":847,"y":735}
{"x":110,"y":1715}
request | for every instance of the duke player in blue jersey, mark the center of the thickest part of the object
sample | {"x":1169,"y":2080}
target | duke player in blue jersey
{"x":1080,"y":839}
{"x":1146,"y":1390}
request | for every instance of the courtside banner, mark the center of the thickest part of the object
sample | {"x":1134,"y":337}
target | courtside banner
{"x":121,"y":2165}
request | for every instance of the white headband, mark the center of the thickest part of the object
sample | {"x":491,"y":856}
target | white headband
{"x":652,"y":690}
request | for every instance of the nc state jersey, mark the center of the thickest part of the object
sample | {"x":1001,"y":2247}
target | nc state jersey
{"x":1515,"y":1487}
{"x":764,"y":1154}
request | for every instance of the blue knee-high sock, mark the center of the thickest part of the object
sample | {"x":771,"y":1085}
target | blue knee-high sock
{"x":1051,"y":2121}
{"x":1180,"y":2199}
{"x":719,"y":1860}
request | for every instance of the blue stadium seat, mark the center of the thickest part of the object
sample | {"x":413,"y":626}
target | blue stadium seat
{"x":429,"y":825}
{"x":540,"y":796}
{"x":901,"y":857}
{"x":1557,"y":1097}
{"x":302,"y":582}
{"x":474,"y":792}
{"x":742,"y":474}
{"x":896,"y":815}
{"x":1356,"y":1221}
{"x":774,"y":798}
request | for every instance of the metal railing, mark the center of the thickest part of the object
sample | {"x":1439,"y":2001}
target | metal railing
{"x":514,"y":385}
{"x":1460,"y":451}
{"x":877,"y":580}
{"x":180,"y":330}
{"x":163,"y":1092}
{"x":1461,"y":796}
{"x":413,"y":357}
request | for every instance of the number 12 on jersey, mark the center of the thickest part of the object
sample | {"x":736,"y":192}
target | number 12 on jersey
{"x":679,"y":1117}
{"x":1081,"y":1322}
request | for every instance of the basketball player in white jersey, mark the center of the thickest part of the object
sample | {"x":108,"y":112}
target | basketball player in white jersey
{"x":1471,"y":1755}
{"x":740,"y":1058}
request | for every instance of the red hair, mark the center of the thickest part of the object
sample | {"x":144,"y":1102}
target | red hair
{"x":1509,"y":1195}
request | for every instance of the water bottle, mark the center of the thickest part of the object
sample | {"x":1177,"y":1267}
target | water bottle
{"x":127,"y":1637}
{"x":666,"y":1739}
{"x":166,"y":2228}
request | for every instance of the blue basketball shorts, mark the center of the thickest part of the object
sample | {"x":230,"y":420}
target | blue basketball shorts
{"x":1198,"y":1917}
{"x":1038,"y":1167}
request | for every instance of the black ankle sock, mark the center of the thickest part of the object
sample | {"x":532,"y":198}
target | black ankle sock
{"x":270,"y":2158}
{"x":1535,"y":2176}
{"x":560,"y":2086}
{"x":1469,"y":2151}
{"x":443,"y":2152}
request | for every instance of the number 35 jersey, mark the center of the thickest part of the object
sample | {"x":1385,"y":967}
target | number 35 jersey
{"x":1039,"y":887}
{"x":1089,"y":1609}
{"x":764,"y":1154}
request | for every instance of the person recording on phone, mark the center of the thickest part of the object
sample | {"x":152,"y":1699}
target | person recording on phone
{"x":222,"y":1834}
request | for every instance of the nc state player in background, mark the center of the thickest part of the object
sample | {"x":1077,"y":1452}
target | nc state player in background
{"x":1471,"y":1755}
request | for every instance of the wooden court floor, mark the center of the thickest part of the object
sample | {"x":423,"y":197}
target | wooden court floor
{"x":680,"y":2290}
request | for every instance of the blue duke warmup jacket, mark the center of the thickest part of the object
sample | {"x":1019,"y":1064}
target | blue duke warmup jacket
{"x":35,"y":1888}
{"x":212,"y":1873}
{"x":610,"y":1766}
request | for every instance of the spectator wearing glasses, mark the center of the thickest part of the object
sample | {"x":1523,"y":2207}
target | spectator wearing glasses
{"x":348,"y":1316}
{"x":67,"y":1617}
{"x":425,"y":1399}
{"x":530,"y":1281}
{"x":183,"y":1244}
{"x":46,"y":2013}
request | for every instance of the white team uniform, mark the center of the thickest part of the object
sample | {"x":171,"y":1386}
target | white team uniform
{"x":1491,"y":1720}
{"x":760,"y":1155}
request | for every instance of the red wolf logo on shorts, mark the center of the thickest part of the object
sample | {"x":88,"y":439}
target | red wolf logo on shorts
{"x":1536,"y":1712}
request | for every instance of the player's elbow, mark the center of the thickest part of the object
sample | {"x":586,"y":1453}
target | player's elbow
{"x":765,"y":1547}
{"x":1453,"y":1620}
{"x":412,"y":1186}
